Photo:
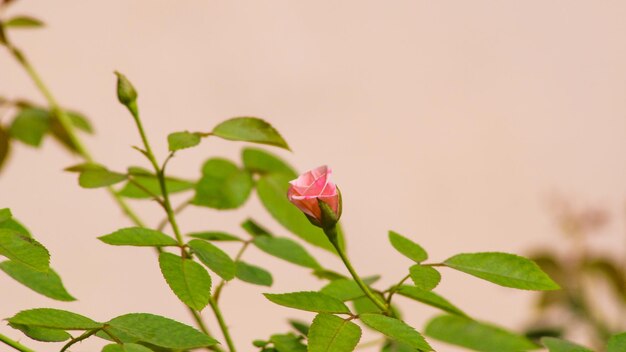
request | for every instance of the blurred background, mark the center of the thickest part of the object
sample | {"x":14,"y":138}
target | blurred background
{"x":455,"y":123}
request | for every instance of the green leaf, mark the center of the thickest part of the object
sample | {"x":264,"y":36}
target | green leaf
{"x":48,"y":284}
{"x":309,"y":301}
{"x":23,"y":22}
{"x":263,"y":162}
{"x":286,"y":249}
{"x":504,"y":269}
{"x":159,"y":331}
{"x":249,"y":129}
{"x":138,"y":236}
{"x":127,"y":347}
{"x":331,"y":333}
{"x":5,"y":146}
{"x":23,"y":249}
{"x":215,"y":236}
{"x":343,"y":290}
{"x":254,"y":229}
{"x":80,"y":121}
{"x":42,"y":334}
{"x":430,"y":298}
{"x":557,"y":345}
{"x":188,"y":279}
{"x":223,"y":185}
{"x":395,"y":346}
{"x":214,"y":258}
{"x":148,"y":181}
{"x":183,"y":140}
{"x":287,"y":343}
{"x":53,"y":319}
{"x":365,"y":305}
{"x":5,"y":214}
{"x":477,"y":336}
{"x":617,"y":343}
{"x":300,"y":326}
{"x":407,"y":247}
{"x":424,"y":277}
{"x":97,"y":176}
{"x":14,"y":225}
{"x":30,"y":125}
{"x":396,"y":329}
{"x":272,"y":190}
{"x":253,"y":274}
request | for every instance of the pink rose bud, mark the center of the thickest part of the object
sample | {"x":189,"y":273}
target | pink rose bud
{"x":312,"y":188}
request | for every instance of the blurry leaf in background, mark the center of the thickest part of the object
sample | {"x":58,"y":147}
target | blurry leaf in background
{"x":59,"y":132}
{"x":188,"y":279}
{"x":611,"y":271}
{"x":300,"y":326}
{"x":53,"y":319}
{"x":215,"y":236}
{"x":430,"y":298}
{"x":249,"y":129}
{"x":504,"y":269}
{"x":30,"y":126}
{"x":214,"y":258}
{"x":476,"y":336}
{"x":48,"y":284}
{"x":96,"y":177}
{"x":5,"y":146}
{"x":138,"y":236}
{"x":396,"y":330}
{"x":558,"y":345}
{"x":395,"y":346}
{"x":254,"y":229}
{"x":332,"y":333}
{"x":253,"y":274}
{"x":272,"y":190}
{"x":151,"y":183}
{"x":424,"y":277}
{"x":286,"y":249}
{"x":23,"y":249}
{"x":263,"y":162}
{"x":23,"y":22}
{"x":223,"y":185}
{"x":407,"y":247}
{"x":617,"y":343}
{"x":159,"y":331}
{"x":183,"y":140}
{"x":288,"y":343}
{"x":42,"y":334}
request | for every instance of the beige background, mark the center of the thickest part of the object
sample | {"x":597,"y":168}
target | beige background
{"x":448,"y":121}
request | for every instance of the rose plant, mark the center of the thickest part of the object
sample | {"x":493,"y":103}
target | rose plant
{"x":196,"y":269}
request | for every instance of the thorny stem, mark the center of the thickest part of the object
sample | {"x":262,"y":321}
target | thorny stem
{"x":332,"y":234}
{"x":223,"y":326}
{"x":395,"y":288}
{"x":82,"y":337}
{"x":16,"y":345}
{"x":64,"y":120}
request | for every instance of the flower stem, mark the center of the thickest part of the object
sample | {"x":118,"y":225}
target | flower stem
{"x":16,"y":345}
{"x":223,"y":326}
{"x":332,"y":234}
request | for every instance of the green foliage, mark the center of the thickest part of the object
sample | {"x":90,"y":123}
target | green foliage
{"x":343,"y":290}
{"x":272,"y":189}
{"x":300,"y":326}
{"x":263,"y":162}
{"x":223,"y":185}
{"x":214,"y":258}
{"x":286,"y":249}
{"x":429,"y":298}
{"x":23,"y":22}
{"x":558,"y":345}
{"x":309,"y":301}
{"x":146,"y":185}
{"x":617,"y":343}
{"x":477,"y":336}
{"x":396,"y":330}
{"x":42,"y":334}
{"x":407,"y":247}
{"x":249,"y":129}
{"x":5,"y":146}
{"x":504,"y":269}
{"x":30,"y":126}
{"x":138,"y":236}
{"x":159,"y":331}
{"x":188,"y":279}
{"x":253,"y":274}
{"x":287,"y":343}
{"x":5,"y":214}
{"x":424,"y":277}
{"x":126,"y":347}
{"x":47,"y":283}
{"x":254,"y":229}
{"x":23,"y":249}
{"x":53,"y":319}
{"x":183,"y":140}
{"x":215,"y":236}
{"x":96,"y":176}
{"x":331,"y":333}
